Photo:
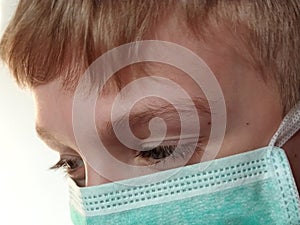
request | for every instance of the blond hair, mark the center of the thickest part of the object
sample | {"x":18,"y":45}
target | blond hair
{"x":58,"y":38}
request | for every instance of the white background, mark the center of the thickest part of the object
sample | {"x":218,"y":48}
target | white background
{"x":29,"y":192}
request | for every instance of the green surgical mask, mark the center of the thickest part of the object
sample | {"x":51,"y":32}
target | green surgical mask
{"x":256,"y":187}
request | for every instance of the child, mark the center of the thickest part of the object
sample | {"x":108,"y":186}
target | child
{"x":251,"y":47}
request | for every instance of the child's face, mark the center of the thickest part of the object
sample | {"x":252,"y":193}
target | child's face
{"x":253,"y":108}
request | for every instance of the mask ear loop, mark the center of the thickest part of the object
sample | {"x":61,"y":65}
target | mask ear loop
{"x":289,"y":126}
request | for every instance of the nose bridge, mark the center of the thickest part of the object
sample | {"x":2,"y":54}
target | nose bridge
{"x":93,"y":178}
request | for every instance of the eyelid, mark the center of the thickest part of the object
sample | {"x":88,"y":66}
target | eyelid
{"x":173,"y":140}
{"x":77,"y":174}
{"x":63,"y":160}
{"x":187,"y":136}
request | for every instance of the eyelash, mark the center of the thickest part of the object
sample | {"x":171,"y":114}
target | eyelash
{"x":156,"y":154}
{"x":164,"y":151}
{"x":68,"y":165}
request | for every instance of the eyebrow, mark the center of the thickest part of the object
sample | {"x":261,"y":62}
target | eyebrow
{"x":142,"y":116}
{"x":162,"y":108}
{"x":49,"y":137}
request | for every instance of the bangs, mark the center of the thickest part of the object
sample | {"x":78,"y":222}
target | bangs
{"x":60,"y":39}
{"x":53,"y":39}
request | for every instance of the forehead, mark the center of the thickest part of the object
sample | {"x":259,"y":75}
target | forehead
{"x":55,"y":110}
{"x":54,"y":102}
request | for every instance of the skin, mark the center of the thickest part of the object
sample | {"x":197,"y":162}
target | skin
{"x":253,"y":106}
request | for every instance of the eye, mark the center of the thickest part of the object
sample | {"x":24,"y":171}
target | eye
{"x":73,"y":166}
{"x":69,"y":164}
{"x":159,"y":152}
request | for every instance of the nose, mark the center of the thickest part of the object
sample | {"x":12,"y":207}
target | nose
{"x":93,"y":178}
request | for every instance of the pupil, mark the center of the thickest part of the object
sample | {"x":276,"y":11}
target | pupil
{"x":160,"y":152}
{"x":71,"y":164}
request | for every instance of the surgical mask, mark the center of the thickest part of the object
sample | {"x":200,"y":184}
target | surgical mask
{"x":256,"y":187}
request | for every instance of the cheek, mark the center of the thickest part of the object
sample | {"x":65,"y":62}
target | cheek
{"x":93,"y":178}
